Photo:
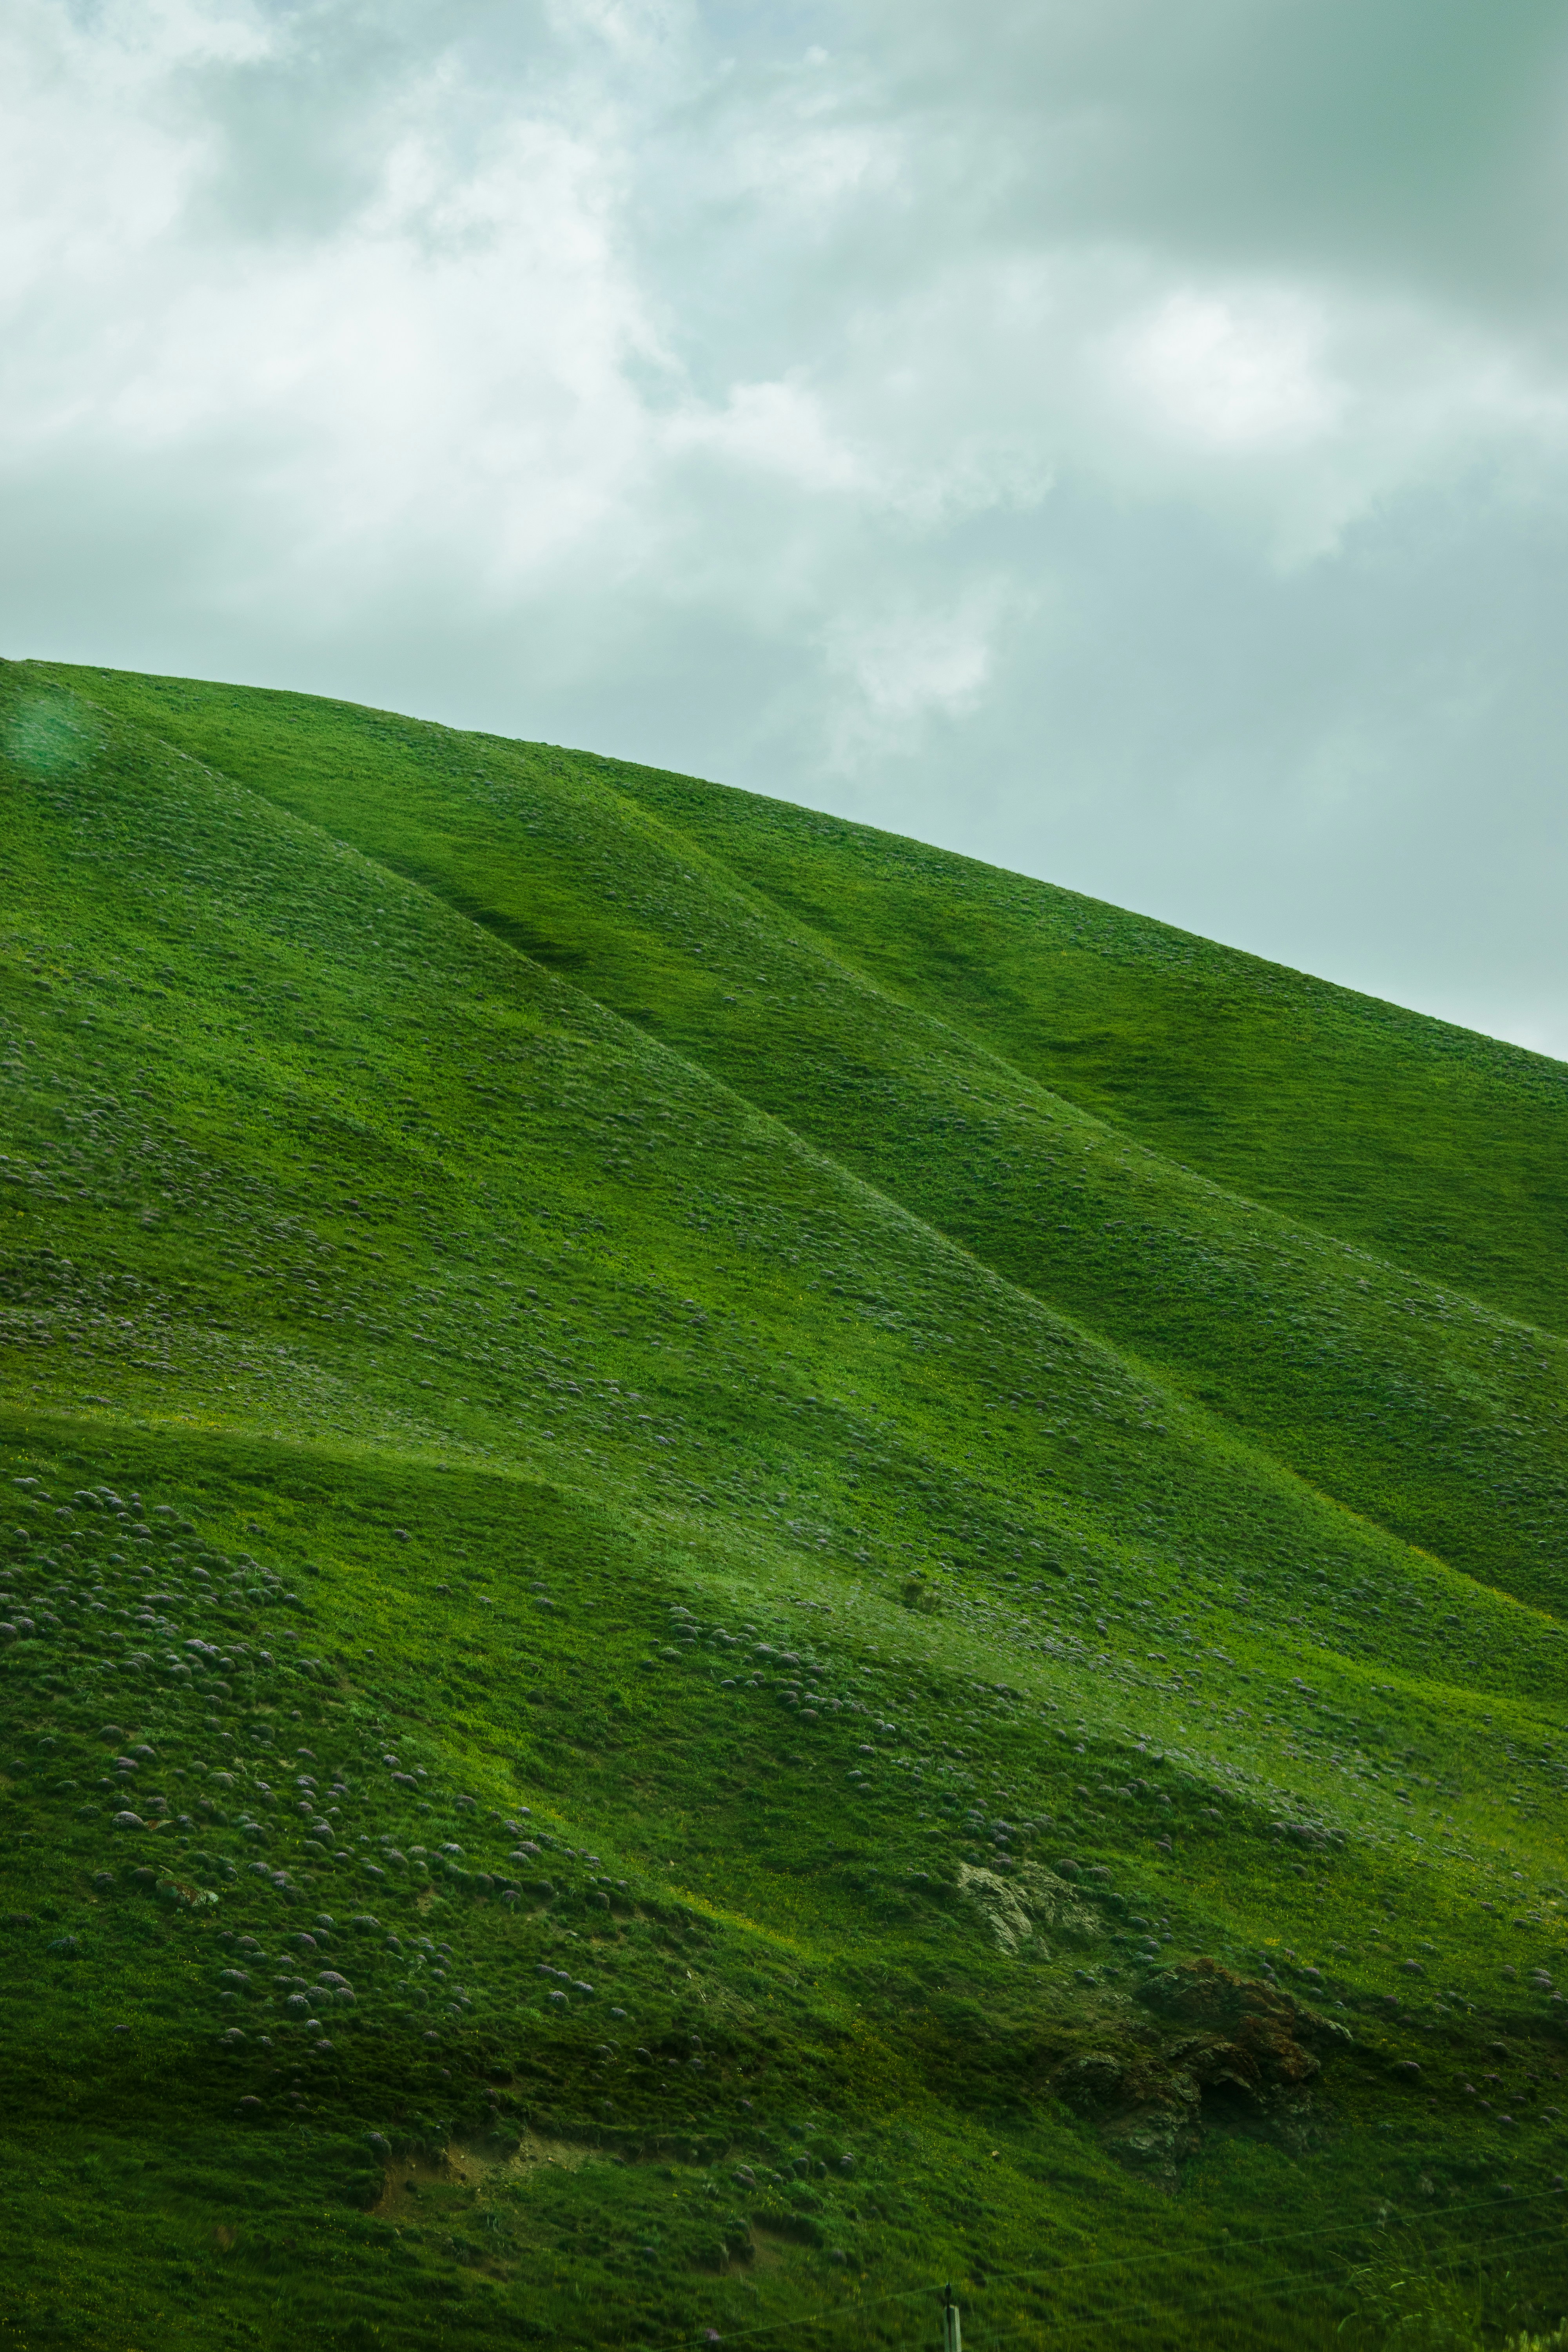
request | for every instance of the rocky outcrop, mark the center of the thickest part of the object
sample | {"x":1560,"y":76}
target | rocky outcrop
{"x":1032,"y":1903}
{"x":1240,"y":2058}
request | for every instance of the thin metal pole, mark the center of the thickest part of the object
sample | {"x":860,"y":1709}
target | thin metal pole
{"x":951,"y":2333}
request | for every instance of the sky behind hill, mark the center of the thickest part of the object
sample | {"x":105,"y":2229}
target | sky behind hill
{"x":1125,"y":443}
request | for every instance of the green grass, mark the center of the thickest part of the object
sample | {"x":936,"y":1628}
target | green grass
{"x":947,"y":1456}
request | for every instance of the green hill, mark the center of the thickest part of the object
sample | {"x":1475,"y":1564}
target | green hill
{"x":751,"y":1567}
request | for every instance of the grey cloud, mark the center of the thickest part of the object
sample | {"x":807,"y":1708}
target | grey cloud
{"x":1122,"y":442}
{"x":1411,"y":141}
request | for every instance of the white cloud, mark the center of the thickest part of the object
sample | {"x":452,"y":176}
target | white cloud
{"x":902,"y":669}
{"x":1234,"y":374}
{"x":777,"y":428}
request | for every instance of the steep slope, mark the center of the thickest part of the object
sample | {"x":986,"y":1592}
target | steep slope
{"x":1440,"y":1150}
{"x":683,"y":1561}
{"x":1407,"y":1401}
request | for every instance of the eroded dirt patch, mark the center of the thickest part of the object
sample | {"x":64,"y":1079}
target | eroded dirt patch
{"x":474,"y":2164}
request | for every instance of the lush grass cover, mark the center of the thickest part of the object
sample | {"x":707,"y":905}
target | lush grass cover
{"x":746,"y":1567}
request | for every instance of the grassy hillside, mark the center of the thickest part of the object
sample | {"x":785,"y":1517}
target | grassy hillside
{"x":791,"y":1595}
{"x":692,"y":912}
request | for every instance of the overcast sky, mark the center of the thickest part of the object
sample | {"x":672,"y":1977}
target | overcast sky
{"x":1125,"y":441}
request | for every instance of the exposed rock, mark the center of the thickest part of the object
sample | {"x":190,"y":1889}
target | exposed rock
{"x":1201,"y":1992}
{"x":1149,"y":2113}
{"x":1245,"y":2067}
{"x":1016,"y":1908}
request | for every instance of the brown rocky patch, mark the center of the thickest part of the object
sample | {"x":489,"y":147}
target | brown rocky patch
{"x":472,"y":2165}
{"x":1241,"y":2064}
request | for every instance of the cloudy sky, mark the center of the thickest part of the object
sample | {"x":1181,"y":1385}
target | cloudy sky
{"x":1128,"y":441}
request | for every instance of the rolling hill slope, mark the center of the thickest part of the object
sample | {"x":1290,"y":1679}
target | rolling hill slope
{"x":683,"y":908}
{"x":914,"y":1529}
